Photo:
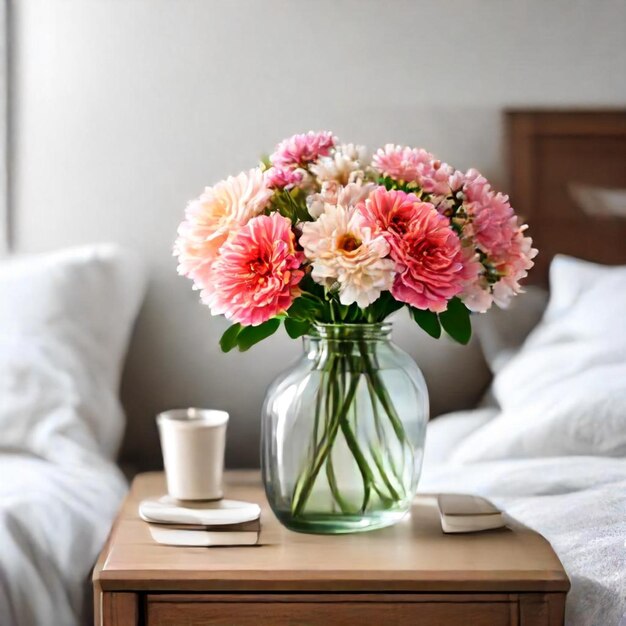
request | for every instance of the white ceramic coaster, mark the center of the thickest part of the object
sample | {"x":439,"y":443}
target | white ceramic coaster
{"x":167,"y":510}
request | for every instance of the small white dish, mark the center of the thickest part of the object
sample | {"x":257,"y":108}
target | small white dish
{"x":167,"y":510}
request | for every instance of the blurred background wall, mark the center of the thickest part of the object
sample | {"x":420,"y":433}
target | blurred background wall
{"x":123,"y":110}
{"x":4,"y":119}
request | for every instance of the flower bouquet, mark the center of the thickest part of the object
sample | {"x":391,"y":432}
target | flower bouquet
{"x":329,"y":242}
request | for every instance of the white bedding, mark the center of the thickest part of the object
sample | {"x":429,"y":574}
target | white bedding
{"x":54,"y":519}
{"x":65,"y":319}
{"x":552,"y":449}
{"x":577,"y":503}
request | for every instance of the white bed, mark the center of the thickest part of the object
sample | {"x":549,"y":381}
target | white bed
{"x":65,"y":320}
{"x":578,"y":503}
{"x":549,"y":447}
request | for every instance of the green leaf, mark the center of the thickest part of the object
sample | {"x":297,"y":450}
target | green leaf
{"x":303,"y":308}
{"x":355,"y":314}
{"x":228,"y":340}
{"x":298,"y":200}
{"x":297,"y":328}
{"x":382,"y":308}
{"x":427,"y":321}
{"x":311,"y":288}
{"x":387,"y":182}
{"x":290,"y":204}
{"x":251,"y":335}
{"x":456,"y":321}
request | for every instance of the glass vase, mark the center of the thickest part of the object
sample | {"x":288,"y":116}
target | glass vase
{"x":343,"y":432}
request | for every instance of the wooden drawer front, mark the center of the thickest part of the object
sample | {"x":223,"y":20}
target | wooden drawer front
{"x":325,"y":612}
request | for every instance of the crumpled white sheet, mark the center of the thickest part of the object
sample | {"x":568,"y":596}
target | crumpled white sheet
{"x":65,"y":319}
{"x":54,"y":519}
{"x":550,"y":448}
{"x":577,"y":503}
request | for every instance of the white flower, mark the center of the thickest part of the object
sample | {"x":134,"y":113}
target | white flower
{"x":346,"y":255}
{"x":346,"y":164}
{"x":333,"y":193}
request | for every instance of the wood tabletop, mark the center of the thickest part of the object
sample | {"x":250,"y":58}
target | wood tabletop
{"x":413,"y":556}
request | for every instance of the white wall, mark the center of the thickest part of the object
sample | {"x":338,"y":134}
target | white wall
{"x":4,"y":118}
{"x":125,"y":109}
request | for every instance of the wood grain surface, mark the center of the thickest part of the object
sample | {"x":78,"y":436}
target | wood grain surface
{"x":413,"y":556}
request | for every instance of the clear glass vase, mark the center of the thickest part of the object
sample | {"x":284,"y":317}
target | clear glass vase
{"x":343,"y":432}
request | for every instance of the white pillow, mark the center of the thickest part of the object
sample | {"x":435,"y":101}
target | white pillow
{"x":65,"y":321}
{"x":445,"y":433}
{"x":501,"y":332}
{"x":564,"y":393}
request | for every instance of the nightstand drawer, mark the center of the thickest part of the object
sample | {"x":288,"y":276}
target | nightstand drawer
{"x":324,"y":610}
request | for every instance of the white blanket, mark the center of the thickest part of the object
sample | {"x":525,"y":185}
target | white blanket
{"x":577,"y":503}
{"x":62,"y":345}
{"x":54,"y":520}
{"x":552,"y":449}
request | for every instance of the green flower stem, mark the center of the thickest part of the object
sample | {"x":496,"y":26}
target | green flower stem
{"x":353,"y":444}
{"x":380,"y":391}
{"x":340,"y":379}
{"x":383,"y":396}
{"x":383,"y":474}
{"x":316,"y":419}
{"x":303,"y":488}
{"x":334,"y":488}
{"x":334,"y":393}
{"x":316,"y":444}
{"x":382,"y":438}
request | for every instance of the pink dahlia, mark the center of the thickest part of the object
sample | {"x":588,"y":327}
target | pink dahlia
{"x":300,"y":150}
{"x":257,"y":273}
{"x":431,"y":265}
{"x":493,"y":222}
{"x":281,"y":178}
{"x":414,"y":165}
{"x":493,"y":228}
{"x":213,"y":217}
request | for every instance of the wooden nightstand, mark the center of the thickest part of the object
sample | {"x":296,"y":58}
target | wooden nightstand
{"x":408,"y":574}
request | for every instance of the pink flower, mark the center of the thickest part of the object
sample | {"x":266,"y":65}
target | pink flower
{"x":431,"y":265}
{"x":477,"y":295}
{"x":257,"y":273}
{"x":493,"y":223}
{"x":281,"y":178}
{"x":414,"y":165}
{"x":213,"y":217}
{"x":493,"y":228}
{"x":300,"y":150}
{"x":514,"y":268}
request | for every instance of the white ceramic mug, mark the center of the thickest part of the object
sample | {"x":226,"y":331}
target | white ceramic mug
{"x":193,"y":442}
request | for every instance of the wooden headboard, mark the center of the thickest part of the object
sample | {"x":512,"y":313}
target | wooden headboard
{"x":566,"y":172}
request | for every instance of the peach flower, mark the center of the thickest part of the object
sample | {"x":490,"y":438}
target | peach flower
{"x":333,"y":193}
{"x":346,"y":255}
{"x":215,"y":216}
{"x":431,"y":265}
{"x":257,"y":273}
{"x":346,"y":164}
